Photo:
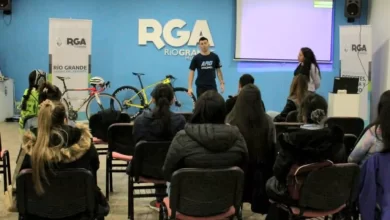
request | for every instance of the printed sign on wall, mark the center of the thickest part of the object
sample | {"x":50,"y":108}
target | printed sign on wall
{"x":356,"y":57}
{"x":174,"y":34}
{"x":70,"y":56}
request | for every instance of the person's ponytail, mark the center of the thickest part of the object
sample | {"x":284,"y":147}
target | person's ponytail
{"x":26,"y":97}
{"x":162,"y":111}
{"x":40,"y":151}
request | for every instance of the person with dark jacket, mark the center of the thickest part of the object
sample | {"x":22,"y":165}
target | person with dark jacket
{"x":259,"y":134}
{"x":56,"y":146}
{"x":207,"y":142}
{"x":244,"y":80}
{"x":159,"y":124}
{"x":298,"y":91}
{"x":310,"y":144}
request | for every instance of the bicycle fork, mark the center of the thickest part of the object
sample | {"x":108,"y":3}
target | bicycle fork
{"x":99,"y":102}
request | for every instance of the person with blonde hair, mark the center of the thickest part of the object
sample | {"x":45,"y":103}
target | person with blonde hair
{"x":298,"y":91}
{"x":54,"y":145}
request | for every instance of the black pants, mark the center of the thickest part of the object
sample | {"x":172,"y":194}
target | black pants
{"x":201,"y":90}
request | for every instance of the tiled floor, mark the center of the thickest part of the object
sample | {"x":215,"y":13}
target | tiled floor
{"x":118,"y":200}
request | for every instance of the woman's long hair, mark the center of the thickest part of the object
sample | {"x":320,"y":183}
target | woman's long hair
{"x":210,"y":108}
{"x":163,"y":96}
{"x":382,"y":121}
{"x":50,"y":118}
{"x":299,"y":88}
{"x":310,"y":58}
{"x":249,"y":116}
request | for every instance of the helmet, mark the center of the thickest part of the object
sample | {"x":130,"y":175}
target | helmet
{"x":96,"y":80}
{"x":40,"y":77}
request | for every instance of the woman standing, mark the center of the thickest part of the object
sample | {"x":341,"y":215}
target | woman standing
{"x":308,"y":66}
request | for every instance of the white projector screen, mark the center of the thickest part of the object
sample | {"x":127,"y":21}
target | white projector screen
{"x":275,"y":30}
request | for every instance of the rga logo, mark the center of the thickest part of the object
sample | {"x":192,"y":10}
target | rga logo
{"x":70,"y":68}
{"x":359,"y":48}
{"x":161,"y":36}
{"x":76,"y":42}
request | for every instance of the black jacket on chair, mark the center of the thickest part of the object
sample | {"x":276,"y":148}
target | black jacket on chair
{"x":289,"y":107}
{"x":308,"y":146}
{"x":206,"y":146}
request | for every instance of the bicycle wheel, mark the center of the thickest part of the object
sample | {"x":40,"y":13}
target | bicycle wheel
{"x":102,"y":102}
{"x":131,"y":100}
{"x":70,"y":113}
{"x":184,"y":103}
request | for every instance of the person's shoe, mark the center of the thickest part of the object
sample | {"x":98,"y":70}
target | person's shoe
{"x":154,"y":205}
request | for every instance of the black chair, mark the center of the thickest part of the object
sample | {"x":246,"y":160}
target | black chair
{"x":201,"y":193}
{"x":120,"y":151}
{"x":146,"y":167}
{"x":326,"y":191}
{"x":350,"y":125}
{"x":5,"y":166}
{"x":292,"y":116}
{"x":187,"y":115}
{"x":70,"y":194}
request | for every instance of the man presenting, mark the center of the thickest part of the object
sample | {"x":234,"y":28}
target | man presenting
{"x":206,"y":63}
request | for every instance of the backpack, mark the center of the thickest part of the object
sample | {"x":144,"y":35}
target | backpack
{"x":101,"y":121}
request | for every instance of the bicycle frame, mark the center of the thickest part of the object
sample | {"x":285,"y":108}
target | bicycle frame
{"x":93,"y":92}
{"x":143,"y":91}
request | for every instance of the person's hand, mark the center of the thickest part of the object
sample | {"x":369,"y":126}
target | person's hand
{"x":222,"y":87}
{"x":189,"y":91}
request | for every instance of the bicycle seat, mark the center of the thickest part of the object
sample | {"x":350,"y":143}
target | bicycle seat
{"x":138,"y":74}
{"x":63,"y":78}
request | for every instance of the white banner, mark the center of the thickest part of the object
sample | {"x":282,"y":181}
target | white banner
{"x":356,"y":57}
{"x":70,"y":57}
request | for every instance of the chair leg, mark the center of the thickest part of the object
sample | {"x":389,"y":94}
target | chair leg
{"x":111,"y":182}
{"x":130,"y":198}
{"x":4,"y":175}
{"x":108,"y":169}
{"x":9,"y":168}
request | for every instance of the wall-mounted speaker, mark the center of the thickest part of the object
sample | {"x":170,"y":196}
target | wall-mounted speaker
{"x":5,"y":6}
{"x":353,"y":9}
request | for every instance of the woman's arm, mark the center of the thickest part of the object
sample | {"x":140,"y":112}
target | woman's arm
{"x":363,"y":147}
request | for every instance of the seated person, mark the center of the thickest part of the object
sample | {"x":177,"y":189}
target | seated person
{"x":53,"y":145}
{"x":312,"y":143}
{"x":159,"y":124}
{"x":371,"y":141}
{"x":298,"y":91}
{"x":259,"y":133}
{"x":244,"y":80}
{"x":46,"y":91}
{"x":29,"y":106}
{"x":206,"y":141}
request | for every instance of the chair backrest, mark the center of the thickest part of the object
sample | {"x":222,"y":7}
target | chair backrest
{"x":187,"y":115}
{"x":350,"y":125}
{"x":205,"y":192}
{"x":149,"y":158}
{"x":330,"y":187}
{"x":349,"y":143}
{"x":120,"y":138}
{"x":70,"y":192}
{"x":1,"y":146}
{"x":292,"y":116}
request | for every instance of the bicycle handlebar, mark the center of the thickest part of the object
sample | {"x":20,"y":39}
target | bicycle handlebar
{"x":107,"y":85}
{"x":170,"y":77}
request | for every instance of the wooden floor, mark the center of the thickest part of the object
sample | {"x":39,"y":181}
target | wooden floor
{"x":118,"y":200}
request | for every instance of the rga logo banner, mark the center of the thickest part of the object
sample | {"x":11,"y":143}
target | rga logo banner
{"x":183,"y":40}
{"x":70,"y":55}
{"x":356,"y":58}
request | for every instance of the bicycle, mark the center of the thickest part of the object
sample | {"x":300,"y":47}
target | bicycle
{"x":94,"y":94}
{"x":130,"y":101}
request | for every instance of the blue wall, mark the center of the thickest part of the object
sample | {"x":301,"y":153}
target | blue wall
{"x":115,"y":50}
